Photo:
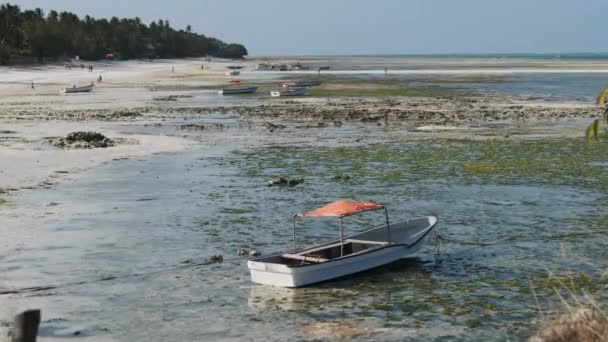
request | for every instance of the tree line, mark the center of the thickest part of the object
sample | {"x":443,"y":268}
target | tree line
{"x":31,"y":33}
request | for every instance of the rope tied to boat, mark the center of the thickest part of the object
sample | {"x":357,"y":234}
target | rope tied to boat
{"x":439,"y":241}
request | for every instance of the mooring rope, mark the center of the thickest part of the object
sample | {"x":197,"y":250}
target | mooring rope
{"x":439,"y":240}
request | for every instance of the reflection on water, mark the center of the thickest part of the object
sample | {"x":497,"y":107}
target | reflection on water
{"x":337,"y":294}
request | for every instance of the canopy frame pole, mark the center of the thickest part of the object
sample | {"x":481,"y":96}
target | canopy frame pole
{"x":341,"y":226}
{"x":294,"y":232}
{"x":388,"y":226}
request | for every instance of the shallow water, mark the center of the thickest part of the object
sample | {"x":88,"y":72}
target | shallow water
{"x":168,"y":212}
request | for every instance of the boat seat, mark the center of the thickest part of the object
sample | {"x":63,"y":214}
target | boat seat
{"x":305,"y":258}
{"x":367,"y":242}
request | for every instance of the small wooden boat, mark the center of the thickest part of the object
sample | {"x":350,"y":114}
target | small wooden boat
{"x":324,"y":68}
{"x":235,"y":81}
{"x":288,"y":92}
{"x":75,"y":89}
{"x":347,"y":255}
{"x":264,"y":66}
{"x":232,"y":73}
{"x":301,"y":84}
{"x":237,"y":90}
{"x":235,"y":67}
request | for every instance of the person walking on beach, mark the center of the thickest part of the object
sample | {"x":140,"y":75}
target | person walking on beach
{"x":173,"y":69}
{"x":33,"y":85}
{"x":386,"y":70}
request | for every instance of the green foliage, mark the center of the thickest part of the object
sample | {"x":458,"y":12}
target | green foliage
{"x":232,"y":51}
{"x":593,"y":131}
{"x":31,"y":33}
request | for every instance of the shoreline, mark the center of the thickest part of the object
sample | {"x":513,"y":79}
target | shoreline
{"x":151,"y":93}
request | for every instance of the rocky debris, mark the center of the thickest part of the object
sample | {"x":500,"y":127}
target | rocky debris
{"x":192,"y":127}
{"x":200,"y":127}
{"x":271,"y":127}
{"x":125,"y":113}
{"x":317,"y":125}
{"x":342,"y":178}
{"x":243,"y":252}
{"x":83,"y":140}
{"x":171,"y":97}
{"x":438,"y":110}
{"x":215,"y":259}
{"x":371,"y":118}
{"x":283,"y":181}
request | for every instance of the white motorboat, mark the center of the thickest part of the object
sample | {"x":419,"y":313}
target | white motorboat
{"x":75,"y":89}
{"x":289,"y":92}
{"x":237,"y":90}
{"x":232,"y":73}
{"x":347,"y":255}
{"x":301,"y":84}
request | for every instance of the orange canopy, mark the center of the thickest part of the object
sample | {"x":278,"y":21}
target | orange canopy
{"x":342,"y":208}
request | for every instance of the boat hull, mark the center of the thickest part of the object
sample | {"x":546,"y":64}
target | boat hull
{"x":237,"y":91}
{"x":288,"y":92}
{"x":276,"y":274}
{"x":284,"y":276}
{"x":85,"y":89}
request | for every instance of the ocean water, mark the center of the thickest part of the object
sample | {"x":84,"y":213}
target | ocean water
{"x":145,"y":224}
{"x":553,"y":78}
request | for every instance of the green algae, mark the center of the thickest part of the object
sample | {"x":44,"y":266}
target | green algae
{"x":477,"y":298}
{"x":380,"y":92}
{"x":550,"y":161}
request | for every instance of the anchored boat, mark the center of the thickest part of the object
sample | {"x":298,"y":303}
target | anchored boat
{"x":75,"y":89}
{"x":347,"y":255}
{"x":232,"y":73}
{"x":289,"y":92}
{"x":301,"y":84}
{"x":237,"y":90}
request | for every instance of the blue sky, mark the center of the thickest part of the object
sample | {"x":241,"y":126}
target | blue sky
{"x":289,"y":27}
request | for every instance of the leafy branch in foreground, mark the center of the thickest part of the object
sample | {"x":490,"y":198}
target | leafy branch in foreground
{"x":593,"y":130}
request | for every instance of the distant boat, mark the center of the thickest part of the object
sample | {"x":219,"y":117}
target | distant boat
{"x":75,"y":89}
{"x":237,"y":90}
{"x":324,"y":68}
{"x":235,"y":67}
{"x":288,"y":92}
{"x":264,"y":66}
{"x":301,"y":84}
{"x":232,"y":73}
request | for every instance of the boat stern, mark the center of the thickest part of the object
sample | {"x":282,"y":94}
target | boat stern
{"x":271,"y":274}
